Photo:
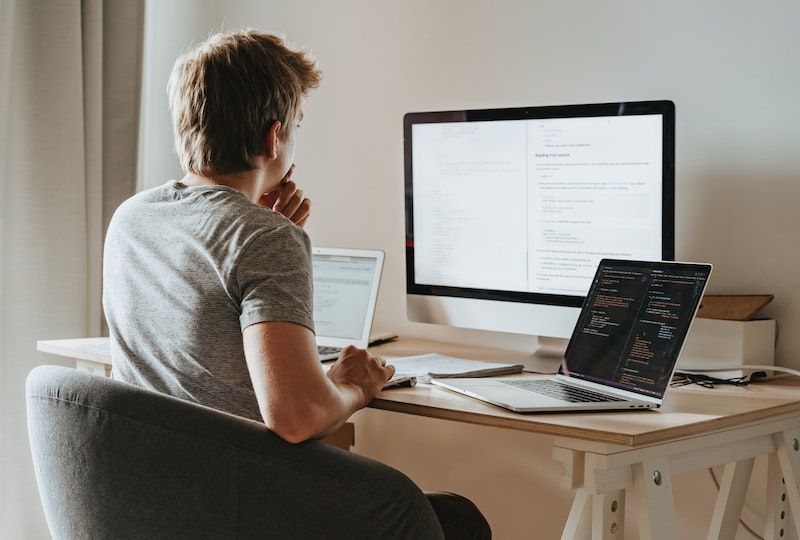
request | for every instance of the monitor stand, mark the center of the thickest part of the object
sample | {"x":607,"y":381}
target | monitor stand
{"x":547,"y":357}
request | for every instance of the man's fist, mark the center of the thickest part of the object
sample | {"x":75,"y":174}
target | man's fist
{"x":359,"y":368}
{"x":288,"y":200}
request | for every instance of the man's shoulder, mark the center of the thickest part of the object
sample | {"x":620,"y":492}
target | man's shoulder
{"x":247,"y":221}
{"x":138,"y":202}
{"x":223,"y":211}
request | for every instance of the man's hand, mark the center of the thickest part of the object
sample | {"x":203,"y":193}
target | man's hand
{"x":288,"y":200}
{"x":358,"y":368}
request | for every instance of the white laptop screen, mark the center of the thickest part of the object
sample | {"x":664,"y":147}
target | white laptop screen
{"x":633,"y":324}
{"x":342,"y":286}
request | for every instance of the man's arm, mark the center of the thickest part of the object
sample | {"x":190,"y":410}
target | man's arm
{"x":296,"y":399}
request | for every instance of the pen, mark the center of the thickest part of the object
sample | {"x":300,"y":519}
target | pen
{"x":403,"y":382}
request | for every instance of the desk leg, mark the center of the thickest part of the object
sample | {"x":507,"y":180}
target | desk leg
{"x":787,"y":445}
{"x":732,"y":491}
{"x":776,"y":519}
{"x":652,"y":487}
{"x":96,"y":368}
{"x":578,"y":526}
{"x":608,"y":516}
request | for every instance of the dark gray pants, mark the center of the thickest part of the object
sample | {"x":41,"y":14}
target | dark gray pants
{"x":459,"y":517}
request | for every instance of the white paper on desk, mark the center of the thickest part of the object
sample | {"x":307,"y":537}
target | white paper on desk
{"x":438,"y":366}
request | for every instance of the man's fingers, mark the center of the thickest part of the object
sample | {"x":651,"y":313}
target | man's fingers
{"x":288,"y":200}
{"x":268,"y":200}
{"x":294,"y":203}
{"x":390,"y":369}
{"x":284,"y":196}
{"x":288,"y":175}
{"x":301,"y":214}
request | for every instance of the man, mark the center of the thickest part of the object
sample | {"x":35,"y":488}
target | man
{"x":207,"y":280}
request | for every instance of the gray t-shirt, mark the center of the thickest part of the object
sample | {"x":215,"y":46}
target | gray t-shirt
{"x":185,"y":270}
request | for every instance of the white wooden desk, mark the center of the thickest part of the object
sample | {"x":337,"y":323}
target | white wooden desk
{"x":606,"y":454}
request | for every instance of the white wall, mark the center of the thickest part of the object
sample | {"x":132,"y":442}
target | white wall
{"x":730,"y":67}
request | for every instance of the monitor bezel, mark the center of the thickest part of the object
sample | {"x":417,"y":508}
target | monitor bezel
{"x":664,"y":107}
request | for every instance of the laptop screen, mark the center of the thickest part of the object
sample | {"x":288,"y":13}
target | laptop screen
{"x":633,"y":324}
{"x":342,"y":286}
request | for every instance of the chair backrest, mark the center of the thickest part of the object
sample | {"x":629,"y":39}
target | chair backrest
{"x":113,"y":460}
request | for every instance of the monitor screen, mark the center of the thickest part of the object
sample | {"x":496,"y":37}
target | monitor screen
{"x":522,"y":204}
{"x":633,"y":324}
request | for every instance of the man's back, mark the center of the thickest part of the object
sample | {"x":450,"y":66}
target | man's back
{"x":207,"y":281}
{"x":186,"y":269}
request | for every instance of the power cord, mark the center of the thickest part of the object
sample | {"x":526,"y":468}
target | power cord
{"x":736,"y":367}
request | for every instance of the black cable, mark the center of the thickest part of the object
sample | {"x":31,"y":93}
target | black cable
{"x":706,"y":381}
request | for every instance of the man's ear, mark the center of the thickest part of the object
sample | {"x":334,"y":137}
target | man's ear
{"x":272,"y":139}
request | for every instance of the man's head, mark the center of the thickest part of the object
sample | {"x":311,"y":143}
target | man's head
{"x":226,"y":96}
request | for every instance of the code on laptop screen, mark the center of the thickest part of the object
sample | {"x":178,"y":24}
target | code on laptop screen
{"x":633,"y":324}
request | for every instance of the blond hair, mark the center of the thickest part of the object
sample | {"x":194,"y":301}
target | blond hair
{"x":225,"y":94}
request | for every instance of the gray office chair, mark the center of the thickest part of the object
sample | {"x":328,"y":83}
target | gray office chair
{"x":113,"y":460}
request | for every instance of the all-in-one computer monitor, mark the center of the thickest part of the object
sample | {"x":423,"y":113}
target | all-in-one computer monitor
{"x":509,"y":211}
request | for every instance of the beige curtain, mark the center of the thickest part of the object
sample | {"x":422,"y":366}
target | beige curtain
{"x":69,"y":94}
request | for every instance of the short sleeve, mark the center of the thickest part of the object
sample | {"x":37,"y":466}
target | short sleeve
{"x":274,"y":278}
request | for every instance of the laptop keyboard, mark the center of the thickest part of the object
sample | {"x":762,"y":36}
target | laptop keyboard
{"x":325,"y":351}
{"x":564,"y":392}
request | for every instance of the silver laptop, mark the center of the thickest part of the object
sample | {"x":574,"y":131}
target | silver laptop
{"x":346,"y":283}
{"x":623,"y":350}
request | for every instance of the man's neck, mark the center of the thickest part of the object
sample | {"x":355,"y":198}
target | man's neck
{"x":251,"y":184}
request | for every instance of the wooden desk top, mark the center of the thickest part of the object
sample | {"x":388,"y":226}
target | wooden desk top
{"x":687,"y":411}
